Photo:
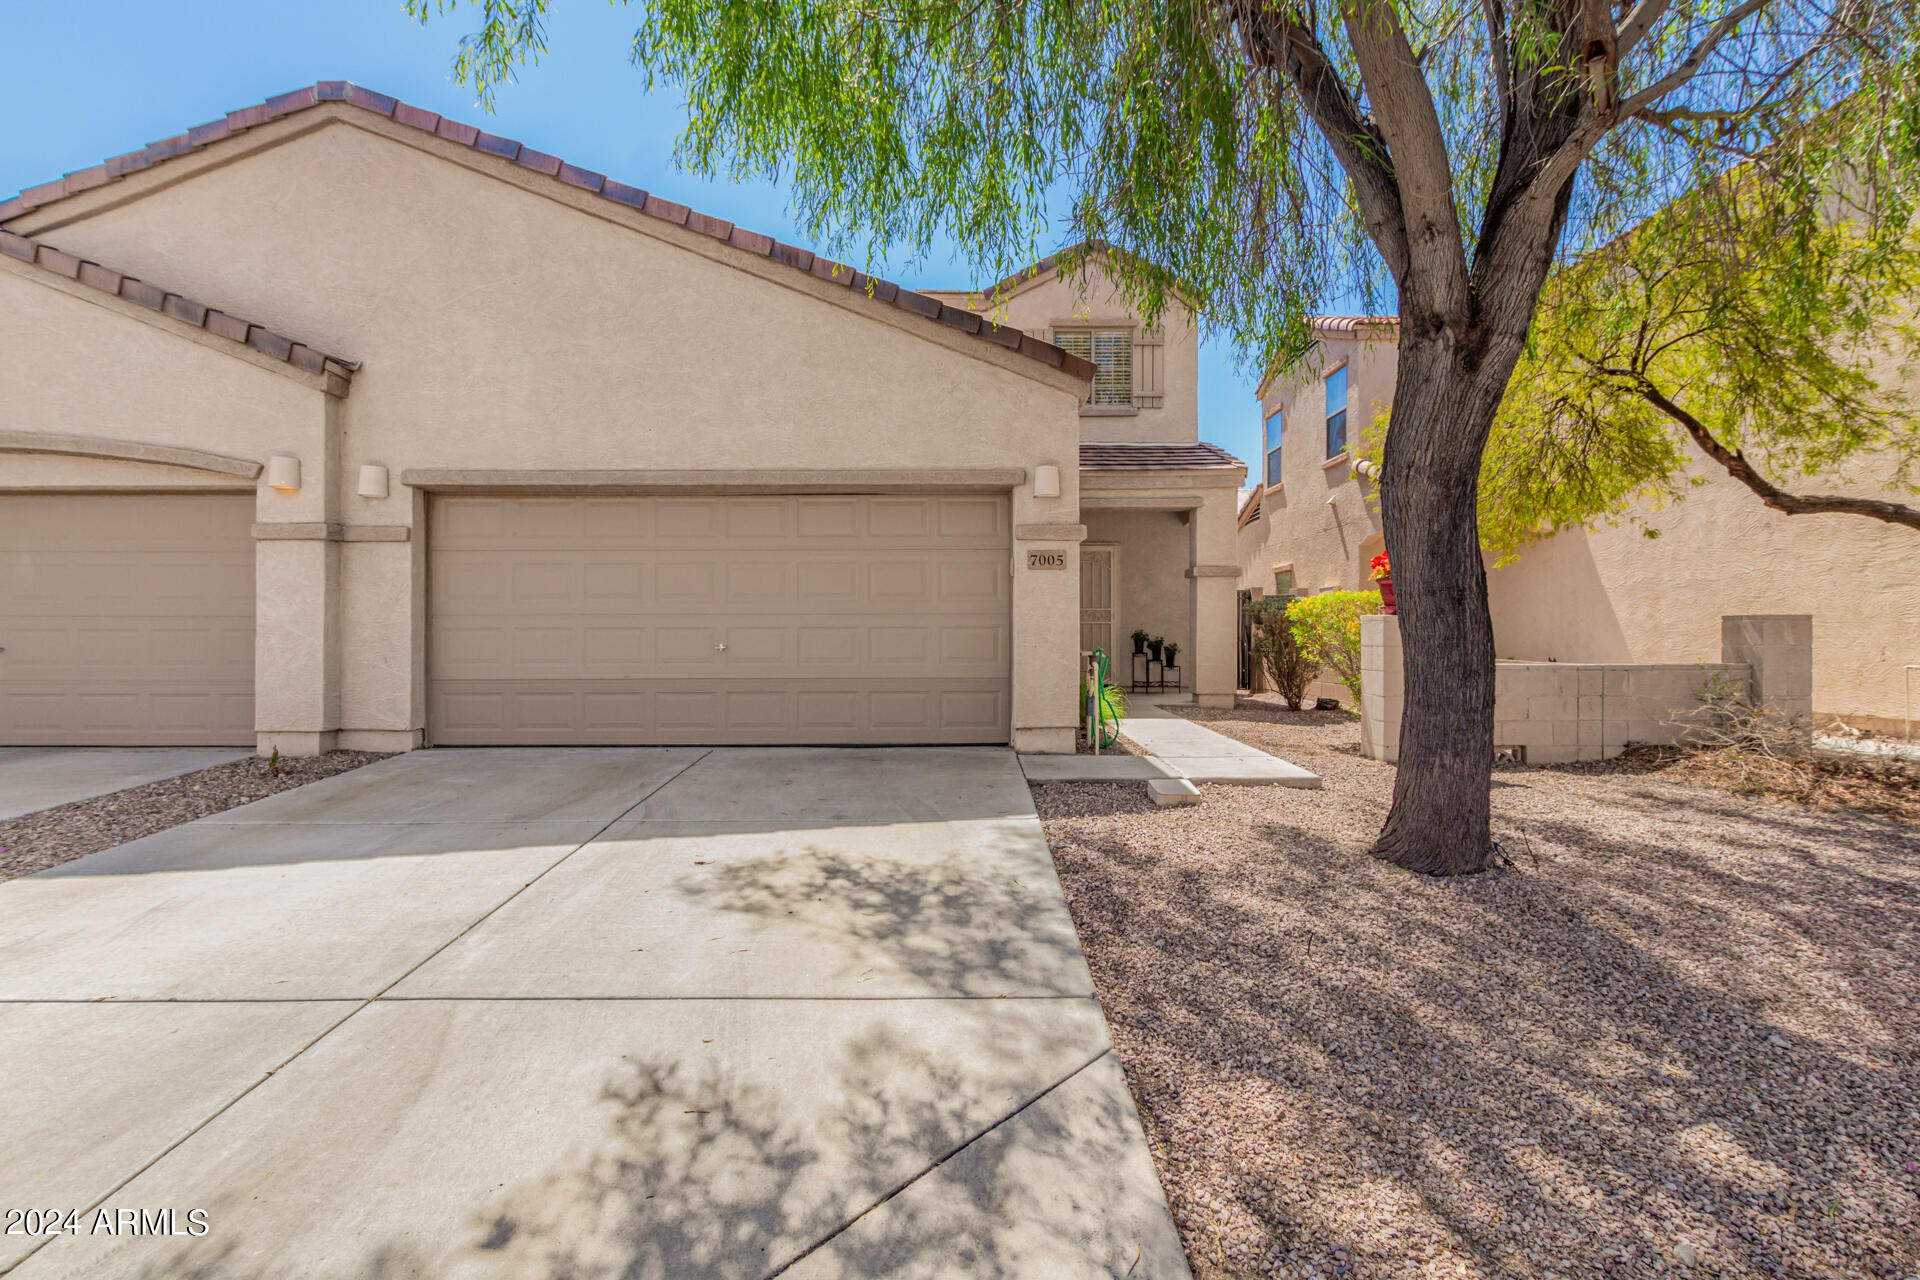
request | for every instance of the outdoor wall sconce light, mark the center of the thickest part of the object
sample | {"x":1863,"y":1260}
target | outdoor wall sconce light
{"x":1366,"y":470}
{"x":283,"y":473}
{"x":373,"y":481}
{"x":1046,"y":482}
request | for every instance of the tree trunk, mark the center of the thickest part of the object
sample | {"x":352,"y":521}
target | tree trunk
{"x":1449,"y":386}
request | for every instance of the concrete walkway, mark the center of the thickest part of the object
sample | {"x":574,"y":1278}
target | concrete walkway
{"x":1175,"y":748}
{"x":36,"y":778}
{"x":621,"y":1012}
{"x":1197,"y":753}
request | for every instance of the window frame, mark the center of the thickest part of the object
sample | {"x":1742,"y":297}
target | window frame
{"x":1336,"y":418}
{"x":1129,"y":340}
{"x":1273,"y":437}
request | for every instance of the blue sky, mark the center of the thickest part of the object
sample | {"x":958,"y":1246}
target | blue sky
{"x":83,"y":81}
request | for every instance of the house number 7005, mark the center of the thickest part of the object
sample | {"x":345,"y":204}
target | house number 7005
{"x":1046,"y":559}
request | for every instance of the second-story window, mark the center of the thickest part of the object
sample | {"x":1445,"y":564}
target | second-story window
{"x":1337,"y":411}
{"x":1275,"y":425}
{"x":1111,"y":351}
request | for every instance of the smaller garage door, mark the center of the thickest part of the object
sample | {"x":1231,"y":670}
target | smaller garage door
{"x":724,"y":619}
{"x":126,"y":619}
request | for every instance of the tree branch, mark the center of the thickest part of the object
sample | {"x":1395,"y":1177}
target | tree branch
{"x":1689,"y":66}
{"x":1275,"y":39}
{"x":1639,"y":21}
{"x":1497,"y":49}
{"x":1403,"y":109}
{"x":1772,"y":495}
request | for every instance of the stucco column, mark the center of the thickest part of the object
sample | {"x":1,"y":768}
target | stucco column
{"x":1215,"y":578}
{"x":1046,"y":615}
{"x":296,"y":647}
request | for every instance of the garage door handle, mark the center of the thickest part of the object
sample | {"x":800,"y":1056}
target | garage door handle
{"x":720,"y":648}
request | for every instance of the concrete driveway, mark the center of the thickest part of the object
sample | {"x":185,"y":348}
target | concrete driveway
{"x":36,"y":778}
{"x":594,"y":1012}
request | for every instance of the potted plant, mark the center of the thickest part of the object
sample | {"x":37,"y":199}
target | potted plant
{"x":1382,"y":575}
{"x":1139,"y":642}
{"x":1173,"y":652}
{"x":1154,"y":645}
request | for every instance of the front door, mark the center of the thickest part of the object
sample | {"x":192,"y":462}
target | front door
{"x":1097,"y":605}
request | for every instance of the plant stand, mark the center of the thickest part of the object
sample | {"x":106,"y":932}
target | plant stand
{"x":1171,"y":677}
{"x":1142,"y":668}
{"x":1156,"y":675}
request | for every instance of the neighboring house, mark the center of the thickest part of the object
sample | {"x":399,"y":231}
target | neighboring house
{"x":1606,"y":594}
{"x":1159,"y":506}
{"x":505,"y":451}
{"x":1315,"y":529}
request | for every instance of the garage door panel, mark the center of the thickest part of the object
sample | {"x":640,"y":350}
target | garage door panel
{"x":126,"y":619}
{"x":853,"y":710}
{"x":764,"y":618}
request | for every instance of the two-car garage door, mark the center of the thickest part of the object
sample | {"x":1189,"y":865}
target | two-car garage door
{"x":719,"y":619}
{"x":126,"y":619}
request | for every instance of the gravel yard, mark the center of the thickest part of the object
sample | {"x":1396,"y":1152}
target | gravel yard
{"x":35,"y":841}
{"x":1677,"y":1036}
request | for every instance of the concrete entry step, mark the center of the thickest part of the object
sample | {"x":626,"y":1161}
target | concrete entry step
{"x":1166,"y":791}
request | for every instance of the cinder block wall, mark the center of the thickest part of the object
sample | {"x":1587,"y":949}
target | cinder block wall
{"x":1558,"y":712}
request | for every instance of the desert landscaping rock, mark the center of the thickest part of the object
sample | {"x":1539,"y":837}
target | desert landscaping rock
{"x":35,"y":841}
{"x":1673,"y":1035}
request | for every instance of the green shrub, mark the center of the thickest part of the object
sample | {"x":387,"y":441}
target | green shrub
{"x":1327,"y":629}
{"x":1288,"y":669}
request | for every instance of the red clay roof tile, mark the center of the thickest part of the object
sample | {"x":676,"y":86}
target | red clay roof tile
{"x":108,"y":281}
{"x":539,"y":161}
{"x":468,"y":136}
{"x":139,"y":291}
{"x":576,"y":176}
{"x":415,"y":118}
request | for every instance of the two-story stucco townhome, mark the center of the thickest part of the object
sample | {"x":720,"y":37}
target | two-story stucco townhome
{"x":336,"y":423}
{"x":1607,"y":593}
{"x":1157,"y":504}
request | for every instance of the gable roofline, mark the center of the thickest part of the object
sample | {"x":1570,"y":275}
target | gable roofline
{"x":1050,"y":268}
{"x":1364,"y":328}
{"x":195,"y":315}
{"x":343,"y":92}
{"x":1250,"y":509}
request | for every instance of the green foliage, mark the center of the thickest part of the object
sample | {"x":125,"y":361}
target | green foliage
{"x":1288,"y":668}
{"x":1780,"y":323}
{"x":1327,"y":629}
{"x":1187,"y":135}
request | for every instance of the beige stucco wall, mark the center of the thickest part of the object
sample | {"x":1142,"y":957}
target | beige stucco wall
{"x":507,"y":321}
{"x":1048,"y":300}
{"x":1318,"y":520}
{"x":1614,"y":595}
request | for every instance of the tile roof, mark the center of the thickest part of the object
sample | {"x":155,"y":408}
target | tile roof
{"x":1154,"y":457}
{"x":340,"y":91}
{"x":185,"y":310}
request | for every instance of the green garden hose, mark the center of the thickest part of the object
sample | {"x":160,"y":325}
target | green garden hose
{"x":1105,"y":725}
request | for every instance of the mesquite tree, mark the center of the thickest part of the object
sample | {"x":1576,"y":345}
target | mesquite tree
{"x":1743,"y":326}
{"x":1274,"y":158}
